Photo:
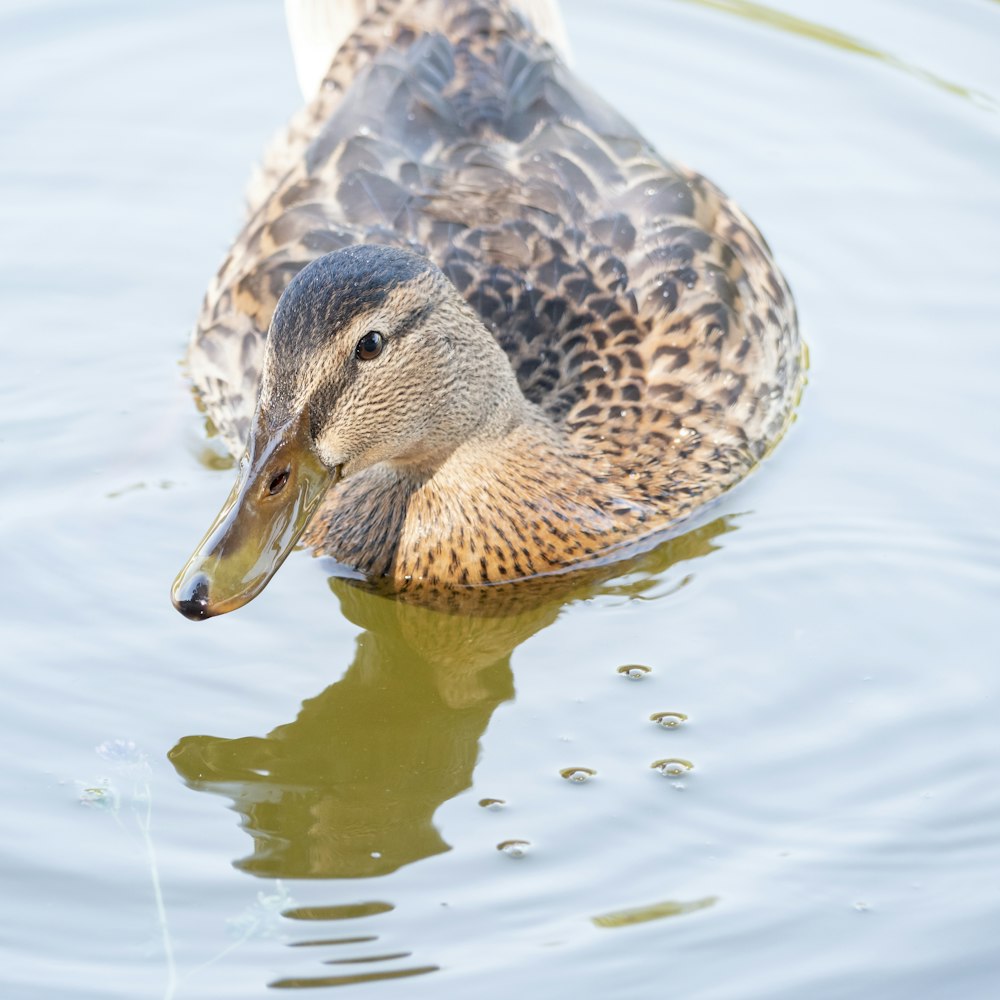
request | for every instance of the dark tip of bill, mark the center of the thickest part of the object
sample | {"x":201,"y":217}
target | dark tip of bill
{"x":194,"y":604}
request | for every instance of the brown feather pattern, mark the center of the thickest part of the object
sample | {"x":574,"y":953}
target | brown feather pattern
{"x":639,"y":308}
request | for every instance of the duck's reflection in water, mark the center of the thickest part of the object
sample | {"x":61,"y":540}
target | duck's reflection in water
{"x":349,"y":789}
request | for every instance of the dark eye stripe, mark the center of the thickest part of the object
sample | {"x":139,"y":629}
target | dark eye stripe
{"x":369,"y":346}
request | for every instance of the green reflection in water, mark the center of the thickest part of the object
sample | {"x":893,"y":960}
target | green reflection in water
{"x":350,"y":787}
{"x":366,"y":977}
{"x":654,"y":911}
{"x":214,"y":458}
{"x":326,"y":942}
{"x":790,"y":24}
{"x":347,"y":911}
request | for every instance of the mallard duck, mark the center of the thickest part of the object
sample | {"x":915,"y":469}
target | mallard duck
{"x":479,"y":330}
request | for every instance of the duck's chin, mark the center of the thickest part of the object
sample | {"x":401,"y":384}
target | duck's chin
{"x":281,"y":484}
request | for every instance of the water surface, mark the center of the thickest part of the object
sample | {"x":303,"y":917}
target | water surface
{"x":304,"y":794}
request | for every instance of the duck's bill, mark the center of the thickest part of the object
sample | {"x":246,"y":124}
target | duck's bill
{"x":280,"y":485}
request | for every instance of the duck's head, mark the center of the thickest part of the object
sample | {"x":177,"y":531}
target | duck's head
{"x":371,"y":357}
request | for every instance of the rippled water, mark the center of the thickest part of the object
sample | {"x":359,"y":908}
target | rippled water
{"x":824,"y":641}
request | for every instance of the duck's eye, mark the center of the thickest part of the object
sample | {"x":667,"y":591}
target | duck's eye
{"x":369,"y":346}
{"x":277,"y":484}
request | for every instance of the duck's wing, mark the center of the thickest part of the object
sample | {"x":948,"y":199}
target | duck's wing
{"x":638,"y":306}
{"x":318,"y":28}
{"x":330,"y":42}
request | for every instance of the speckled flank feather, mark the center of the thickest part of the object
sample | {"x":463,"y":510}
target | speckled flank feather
{"x":639,"y":308}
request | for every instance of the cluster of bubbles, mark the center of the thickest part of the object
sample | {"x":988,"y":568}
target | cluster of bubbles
{"x":670,"y":767}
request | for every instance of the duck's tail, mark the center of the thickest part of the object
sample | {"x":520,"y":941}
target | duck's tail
{"x":318,"y":28}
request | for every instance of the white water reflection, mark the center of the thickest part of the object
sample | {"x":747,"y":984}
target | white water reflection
{"x":835,"y":656}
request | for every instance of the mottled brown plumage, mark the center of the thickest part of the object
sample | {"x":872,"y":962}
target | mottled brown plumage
{"x":641,"y":313}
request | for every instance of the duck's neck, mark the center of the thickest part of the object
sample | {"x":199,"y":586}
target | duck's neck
{"x":489,"y":490}
{"x":509,"y":502}
{"x":485,"y":412}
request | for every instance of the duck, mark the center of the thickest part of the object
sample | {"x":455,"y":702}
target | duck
{"x":475,"y":329}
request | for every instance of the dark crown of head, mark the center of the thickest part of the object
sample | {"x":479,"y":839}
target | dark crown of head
{"x":326,"y":293}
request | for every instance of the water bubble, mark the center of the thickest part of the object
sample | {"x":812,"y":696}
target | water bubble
{"x":672,"y":767}
{"x":577,"y":774}
{"x":669,"y":720}
{"x":634,"y":671}
{"x":120,"y":752}
{"x":263,"y":917}
{"x":514,"y":848}
{"x":493,"y":804}
{"x":101,"y":795}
